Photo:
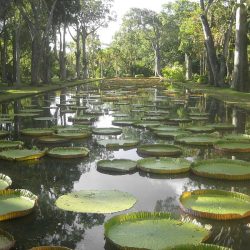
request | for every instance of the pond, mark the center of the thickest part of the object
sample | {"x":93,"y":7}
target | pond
{"x":103,"y":103}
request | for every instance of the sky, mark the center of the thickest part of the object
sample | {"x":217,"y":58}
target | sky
{"x":121,"y":7}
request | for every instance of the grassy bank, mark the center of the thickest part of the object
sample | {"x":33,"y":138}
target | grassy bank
{"x":227,"y":95}
{"x":13,"y":93}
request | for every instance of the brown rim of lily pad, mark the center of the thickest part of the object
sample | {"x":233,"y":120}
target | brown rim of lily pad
{"x":68,"y":152}
{"x":213,"y":193}
{"x":25,"y":195}
{"x":233,"y":146}
{"x":9,"y":241}
{"x":159,"y":150}
{"x":50,"y":248}
{"x":221,"y":166}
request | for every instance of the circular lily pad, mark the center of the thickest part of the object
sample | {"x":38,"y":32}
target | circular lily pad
{"x":216,"y":204}
{"x":237,"y":137}
{"x":37,"y":131}
{"x":4,"y":144}
{"x":222,"y":126}
{"x":96,"y":201}
{"x":7,"y":241}
{"x":144,"y":230}
{"x":5,"y":182}
{"x":44,"y":118}
{"x":147,"y":124}
{"x":53,"y":139}
{"x":50,"y":248}
{"x":124,"y":122}
{"x":16,"y":203}
{"x":172,"y":134}
{"x":74,"y":135}
{"x":222,"y":169}
{"x":200,"y":129}
{"x":180,"y":120}
{"x":198,"y":140}
{"x":107,"y":131}
{"x":233,"y":146}
{"x":164,"y":165}
{"x":3,"y":133}
{"x":31,"y":110}
{"x":116,"y":165}
{"x":159,"y":150}
{"x":200,"y":247}
{"x":68,"y":152}
{"x":21,"y":154}
{"x":113,"y":143}
{"x":166,"y":129}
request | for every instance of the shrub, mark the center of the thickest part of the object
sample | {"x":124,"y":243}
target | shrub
{"x":174,"y":73}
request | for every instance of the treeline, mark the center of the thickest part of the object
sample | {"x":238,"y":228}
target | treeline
{"x":205,"y":42}
{"x":33,"y":38}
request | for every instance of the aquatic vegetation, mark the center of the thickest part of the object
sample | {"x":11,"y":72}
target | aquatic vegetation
{"x":68,"y":152}
{"x":116,"y":165}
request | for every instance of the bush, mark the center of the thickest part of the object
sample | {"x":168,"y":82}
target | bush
{"x":200,"y":79}
{"x":174,"y":73}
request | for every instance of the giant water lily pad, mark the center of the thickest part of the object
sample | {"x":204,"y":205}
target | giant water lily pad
{"x":37,"y":131}
{"x":164,"y":165}
{"x":222,"y":169}
{"x":16,"y":203}
{"x":52,"y":139}
{"x":200,"y":129}
{"x":5,"y":182}
{"x":21,"y":154}
{"x":198,"y":140}
{"x":144,"y":230}
{"x":3,"y":133}
{"x":222,"y":126}
{"x":159,"y":150}
{"x":233,"y":146}
{"x":7,"y":241}
{"x":124,"y":122}
{"x":200,"y":247}
{"x":116,"y":165}
{"x":147,"y":124}
{"x":121,"y":143}
{"x":50,"y":248}
{"x":166,"y":129}
{"x":96,"y":201}
{"x":46,"y":118}
{"x":5,"y":144}
{"x":172,"y":134}
{"x":31,"y":111}
{"x":107,"y":131}
{"x":75,"y":134}
{"x":237,"y":137}
{"x":68,"y":152}
{"x":216,"y":204}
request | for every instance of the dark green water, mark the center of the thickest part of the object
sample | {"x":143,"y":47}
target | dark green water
{"x":49,"y":178}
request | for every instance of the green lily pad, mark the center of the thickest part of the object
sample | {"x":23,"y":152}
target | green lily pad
{"x":200,"y":247}
{"x":166,"y":128}
{"x":233,"y":146}
{"x":124,"y":122}
{"x":50,"y":248}
{"x":155,"y":118}
{"x":144,"y":230}
{"x":216,"y":204}
{"x":26,"y":115}
{"x":200,"y":129}
{"x":222,"y":169}
{"x":180,"y":120}
{"x":116,"y":165}
{"x":89,"y":118}
{"x":198,"y":118}
{"x":21,"y":154}
{"x":74,"y":135}
{"x":172,"y":134}
{"x":7,"y":241}
{"x":3,"y":133}
{"x":164,"y":165}
{"x":199,"y":114}
{"x":16,"y":203}
{"x":96,"y":201}
{"x":147,"y":124}
{"x":222,"y":126}
{"x":31,"y":110}
{"x":45,"y":118}
{"x":107,"y":131}
{"x":37,"y":131}
{"x":5,"y":182}
{"x":68,"y":152}
{"x":52,"y":139}
{"x":5,"y":144}
{"x":198,"y":140}
{"x":159,"y":150}
{"x":237,"y":137}
{"x":121,"y":143}
{"x":120,"y":115}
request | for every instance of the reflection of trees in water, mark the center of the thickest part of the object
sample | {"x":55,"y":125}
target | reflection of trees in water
{"x":170,"y":204}
{"x":48,"y":225}
{"x":234,"y":234}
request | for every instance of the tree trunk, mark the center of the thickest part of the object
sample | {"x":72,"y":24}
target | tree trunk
{"x":16,"y":56}
{"x":211,"y":52}
{"x":46,"y":64}
{"x":4,"y":54}
{"x":188,"y":66}
{"x":78,"y":54}
{"x":62,"y":55}
{"x":156,"y":48}
{"x":240,"y":73}
{"x":84,"y":54}
{"x":35,"y":60}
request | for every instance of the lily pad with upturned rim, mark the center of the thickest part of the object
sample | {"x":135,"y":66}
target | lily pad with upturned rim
{"x":222,"y":126}
{"x":147,"y":124}
{"x":16,"y":203}
{"x":96,"y":201}
{"x":200,"y":129}
{"x":233,"y":146}
{"x":37,"y":131}
{"x":145,"y":230}
{"x":116,"y":165}
{"x":21,"y":154}
{"x":237,"y":137}
{"x":3,"y":133}
{"x":120,"y":143}
{"x":200,"y":247}
{"x":166,"y":128}
{"x":159,"y":150}
{"x":5,"y":182}
{"x":107,"y":131}
{"x":124,"y":122}
{"x":222,"y":169}
{"x":74,"y":135}
{"x":172,"y":134}
{"x":164,"y":165}
{"x":50,"y":248}
{"x":198,"y":140}
{"x":215,"y":204}
{"x":53,"y":139}
{"x":68,"y":152}
{"x":45,"y":118}
{"x":7,"y":241}
{"x":6,"y":144}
